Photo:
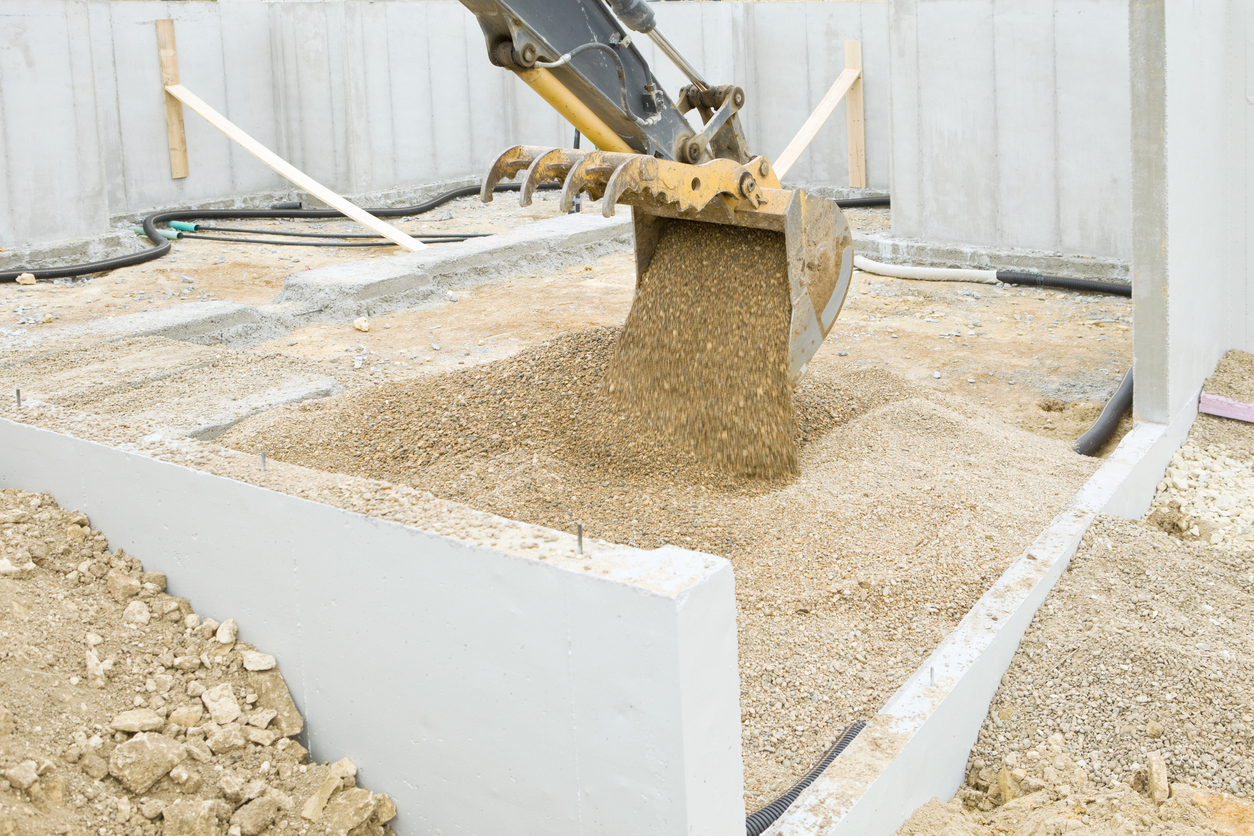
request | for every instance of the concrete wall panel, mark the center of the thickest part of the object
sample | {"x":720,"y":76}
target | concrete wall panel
{"x":1024,"y":55}
{"x":957,"y":128}
{"x":1011,"y":124}
{"x":51,"y":161}
{"x":1093,"y":128}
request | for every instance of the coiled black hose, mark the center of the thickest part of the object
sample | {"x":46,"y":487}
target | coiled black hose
{"x":162,"y":245}
{"x":1061,"y":282}
{"x":1104,"y":427}
{"x":759,"y":821}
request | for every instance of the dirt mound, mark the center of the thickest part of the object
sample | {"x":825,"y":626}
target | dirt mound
{"x":122,"y":711}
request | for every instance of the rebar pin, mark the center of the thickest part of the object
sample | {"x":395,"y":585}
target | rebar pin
{"x":19,"y":398}
{"x":579,"y":539}
{"x":263,"y":461}
{"x":933,"y":671}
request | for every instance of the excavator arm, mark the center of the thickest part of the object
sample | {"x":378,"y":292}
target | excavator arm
{"x":579,"y":56}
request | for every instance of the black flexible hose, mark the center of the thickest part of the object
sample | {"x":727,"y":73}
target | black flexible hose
{"x":290,"y":243}
{"x":1104,"y":427}
{"x":162,"y":246}
{"x":759,"y":821}
{"x":862,"y":202}
{"x":422,"y":236}
{"x":1012,"y":277}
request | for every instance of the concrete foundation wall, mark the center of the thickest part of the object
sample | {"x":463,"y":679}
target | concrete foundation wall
{"x":485,"y":692}
{"x":1010,"y":124}
{"x":364,"y":97}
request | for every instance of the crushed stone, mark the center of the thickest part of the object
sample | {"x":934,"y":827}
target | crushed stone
{"x":122,"y":711}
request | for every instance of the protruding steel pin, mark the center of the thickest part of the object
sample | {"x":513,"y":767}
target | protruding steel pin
{"x":579,"y":539}
{"x":933,"y":670}
{"x":19,"y":398}
{"x":263,"y":461}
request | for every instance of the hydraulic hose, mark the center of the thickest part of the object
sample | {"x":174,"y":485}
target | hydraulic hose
{"x":759,"y":821}
{"x":162,"y":245}
{"x":1104,"y":427}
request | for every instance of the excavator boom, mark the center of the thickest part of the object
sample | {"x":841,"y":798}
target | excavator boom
{"x":578,"y":56}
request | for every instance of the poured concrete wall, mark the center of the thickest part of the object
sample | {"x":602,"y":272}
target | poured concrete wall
{"x":1193,"y":131}
{"x":365,"y":97}
{"x":485,"y":692}
{"x":1010,"y":124}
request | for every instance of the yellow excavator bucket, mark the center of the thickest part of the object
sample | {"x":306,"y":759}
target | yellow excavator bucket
{"x":817,"y":243}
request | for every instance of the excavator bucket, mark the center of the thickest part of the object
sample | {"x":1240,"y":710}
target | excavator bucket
{"x":817,"y":243}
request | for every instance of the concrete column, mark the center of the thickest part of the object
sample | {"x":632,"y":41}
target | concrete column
{"x":1189,"y":116}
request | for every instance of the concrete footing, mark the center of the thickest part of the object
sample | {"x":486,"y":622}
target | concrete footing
{"x":75,"y":251}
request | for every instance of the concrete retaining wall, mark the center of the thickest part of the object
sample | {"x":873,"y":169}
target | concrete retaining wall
{"x":485,"y":692}
{"x":365,"y":97}
{"x":1011,"y":124}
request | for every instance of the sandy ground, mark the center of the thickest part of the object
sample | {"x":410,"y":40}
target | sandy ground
{"x":979,"y":364}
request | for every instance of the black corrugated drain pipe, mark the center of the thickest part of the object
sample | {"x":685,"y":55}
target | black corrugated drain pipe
{"x":759,"y":821}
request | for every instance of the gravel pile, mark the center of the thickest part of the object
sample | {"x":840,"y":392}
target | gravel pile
{"x":702,"y":363}
{"x":846,"y":575}
{"x":123,"y":711}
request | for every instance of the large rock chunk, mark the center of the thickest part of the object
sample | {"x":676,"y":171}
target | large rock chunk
{"x":121,"y":585}
{"x":272,"y":693}
{"x":221,"y":703}
{"x":226,"y":738}
{"x":189,"y":817}
{"x":348,"y":811}
{"x":144,"y":760}
{"x":358,"y":812}
{"x":140,"y":719}
{"x":255,"y":816}
{"x":22,"y":775}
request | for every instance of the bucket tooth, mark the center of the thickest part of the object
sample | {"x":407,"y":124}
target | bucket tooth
{"x":553,"y":164}
{"x":507,"y":165}
{"x":690,"y":187}
{"x":590,"y":175}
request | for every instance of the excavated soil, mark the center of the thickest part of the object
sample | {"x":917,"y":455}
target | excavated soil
{"x":847,"y":574}
{"x":122,"y":711}
{"x":702,"y":361}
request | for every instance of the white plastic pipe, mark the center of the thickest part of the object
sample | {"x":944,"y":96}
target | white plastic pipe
{"x":927,"y":274}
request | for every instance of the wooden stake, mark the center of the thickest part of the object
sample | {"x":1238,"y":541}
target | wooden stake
{"x":167,"y":54}
{"x":291,"y":172}
{"x":853,"y":117}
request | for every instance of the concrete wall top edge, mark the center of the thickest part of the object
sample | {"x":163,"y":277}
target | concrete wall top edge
{"x":668,"y":572}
